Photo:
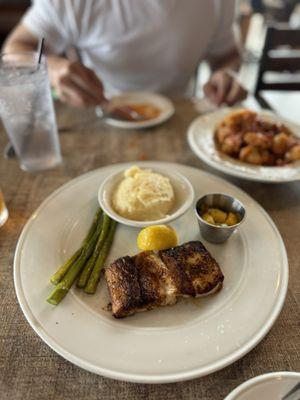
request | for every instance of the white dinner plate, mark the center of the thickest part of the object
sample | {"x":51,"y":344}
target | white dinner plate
{"x":273,"y":386}
{"x":201,"y":140}
{"x":163,"y":103}
{"x":180,"y":342}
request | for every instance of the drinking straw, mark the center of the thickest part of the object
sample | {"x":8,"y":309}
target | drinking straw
{"x":40,"y":51}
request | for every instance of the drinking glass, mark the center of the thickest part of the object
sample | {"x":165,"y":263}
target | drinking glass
{"x":3,"y":210}
{"x":27,"y":111}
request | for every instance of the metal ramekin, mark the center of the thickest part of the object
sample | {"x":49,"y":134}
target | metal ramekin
{"x":216,"y":233}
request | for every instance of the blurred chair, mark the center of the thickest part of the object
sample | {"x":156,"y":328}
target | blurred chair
{"x":281,"y":11}
{"x":279,"y":67}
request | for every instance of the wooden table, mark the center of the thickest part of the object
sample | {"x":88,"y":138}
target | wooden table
{"x":29,"y":369}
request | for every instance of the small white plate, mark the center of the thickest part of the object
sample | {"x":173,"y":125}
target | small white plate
{"x":272,"y":386}
{"x":183,"y":190}
{"x":157,"y":100}
{"x":190,"y":339}
{"x":201,"y":140}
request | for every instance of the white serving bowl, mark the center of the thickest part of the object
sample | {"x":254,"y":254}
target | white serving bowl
{"x":184,"y":195}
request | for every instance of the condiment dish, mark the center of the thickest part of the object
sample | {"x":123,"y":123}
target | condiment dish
{"x":219,"y":233}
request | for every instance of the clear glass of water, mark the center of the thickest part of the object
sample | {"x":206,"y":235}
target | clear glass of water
{"x":3,"y":210}
{"x":27,"y":111}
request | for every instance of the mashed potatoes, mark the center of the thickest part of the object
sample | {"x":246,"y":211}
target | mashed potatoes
{"x":143,"y":195}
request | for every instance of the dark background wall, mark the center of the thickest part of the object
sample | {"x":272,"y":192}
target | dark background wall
{"x":10,"y":13}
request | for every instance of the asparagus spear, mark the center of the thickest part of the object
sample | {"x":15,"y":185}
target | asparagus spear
{"x":95,"y":275}
{"x":60,"y":273}
{"x":65,"y":284}
{"x":86,"y":272}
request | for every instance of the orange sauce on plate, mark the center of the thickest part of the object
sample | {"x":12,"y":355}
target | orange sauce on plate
{"x":147,"y":111}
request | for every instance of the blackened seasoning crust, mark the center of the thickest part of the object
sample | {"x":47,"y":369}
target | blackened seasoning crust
{"x":123,"y":285}
{"x":196,"y":272}
{"x":151,"y":279}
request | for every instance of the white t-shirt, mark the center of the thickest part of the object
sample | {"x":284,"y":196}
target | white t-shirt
{"x":153,"y":45}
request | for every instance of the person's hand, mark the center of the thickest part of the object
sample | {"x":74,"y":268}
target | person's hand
{"x":223,"y":88}
{"x":74,"y":83}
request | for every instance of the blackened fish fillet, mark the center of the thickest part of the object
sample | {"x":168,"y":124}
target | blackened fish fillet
{"x":149,"y":279}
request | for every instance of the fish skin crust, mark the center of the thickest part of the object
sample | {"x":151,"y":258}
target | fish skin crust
{"x":152,"y":279}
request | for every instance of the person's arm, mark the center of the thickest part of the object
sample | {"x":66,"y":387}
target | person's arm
{"x":230,"y":60}
{"x":224,"y":58}
{"x":74,"y":83}
{"x":222,"y":86}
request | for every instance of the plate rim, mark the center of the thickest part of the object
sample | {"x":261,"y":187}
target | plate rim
{"x":130,"y":377}
{"x":231,"y":171}
{"x":257,"y":379}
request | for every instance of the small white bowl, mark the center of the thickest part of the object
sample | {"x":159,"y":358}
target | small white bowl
{"x":184,"y":196}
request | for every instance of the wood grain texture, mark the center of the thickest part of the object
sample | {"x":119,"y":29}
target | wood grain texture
{"x":29,"y":369}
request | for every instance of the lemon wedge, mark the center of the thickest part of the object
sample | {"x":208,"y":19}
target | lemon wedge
{"x":157,"y":237}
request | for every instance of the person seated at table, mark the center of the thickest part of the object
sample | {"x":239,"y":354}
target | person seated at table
{"x":132,"y":45}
